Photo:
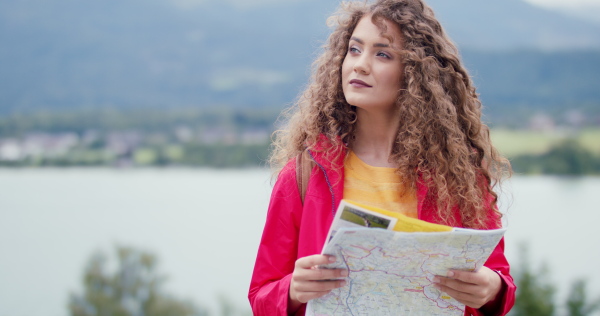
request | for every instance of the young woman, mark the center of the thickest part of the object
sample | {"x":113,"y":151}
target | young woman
{"x":390,"y":119}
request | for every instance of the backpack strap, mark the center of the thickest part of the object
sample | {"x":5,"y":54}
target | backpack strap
{"x":304,"y":166}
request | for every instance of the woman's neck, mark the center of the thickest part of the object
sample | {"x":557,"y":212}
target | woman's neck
{"x":375,"y":135}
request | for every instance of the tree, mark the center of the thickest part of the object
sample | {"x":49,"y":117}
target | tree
{"x":535,"y":294}
{"x":567,"y":157}
{"x":577,"y":302}
{"x":134,"y":289}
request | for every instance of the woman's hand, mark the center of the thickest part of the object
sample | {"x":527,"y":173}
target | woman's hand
{"x":473,"y":289}
{"x":309,"y":282}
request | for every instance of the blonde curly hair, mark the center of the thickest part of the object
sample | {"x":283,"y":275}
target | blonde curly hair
{"x":441,"y":139}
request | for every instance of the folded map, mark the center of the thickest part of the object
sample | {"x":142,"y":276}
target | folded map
{"x":391,"y":272}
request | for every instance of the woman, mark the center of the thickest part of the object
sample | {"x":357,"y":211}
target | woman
{"x":390,"y":118}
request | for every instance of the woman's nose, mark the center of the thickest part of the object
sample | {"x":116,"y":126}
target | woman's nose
{"x":362,"y":64}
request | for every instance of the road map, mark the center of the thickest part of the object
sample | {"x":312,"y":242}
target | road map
{"x":391,"y":273}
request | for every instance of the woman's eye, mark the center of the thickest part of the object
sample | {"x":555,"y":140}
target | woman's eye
{"x":385,"y":55}
{"x":354,"y":50}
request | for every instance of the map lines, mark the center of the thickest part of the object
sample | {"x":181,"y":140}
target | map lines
{"x":391,"y":273}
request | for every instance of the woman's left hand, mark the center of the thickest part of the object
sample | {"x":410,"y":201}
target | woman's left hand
{"x":473,"y":289}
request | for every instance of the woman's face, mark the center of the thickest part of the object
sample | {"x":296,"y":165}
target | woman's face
{"x":372,"y":69}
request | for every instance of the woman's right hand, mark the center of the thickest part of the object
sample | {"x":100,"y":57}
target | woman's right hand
{"x":309,"y":282}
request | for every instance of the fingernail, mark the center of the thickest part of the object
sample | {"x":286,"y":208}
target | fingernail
{"x":331,"y":259}
{"x":450,"y":274}
{"x":436,"y":280}
{"x":344,"y":273}
{"x":343,"y":283}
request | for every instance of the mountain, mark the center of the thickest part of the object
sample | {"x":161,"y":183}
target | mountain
{"x":65,"y":53}
{"x":135,"y":53}
{"x":587,"y":12}
{"x":515,"y":85}
{"x":513,"y":24}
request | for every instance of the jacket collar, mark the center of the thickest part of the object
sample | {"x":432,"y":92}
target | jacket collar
{"x":330,"y":158}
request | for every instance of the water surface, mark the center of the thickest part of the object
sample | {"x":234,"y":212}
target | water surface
{"x":204,"y":225}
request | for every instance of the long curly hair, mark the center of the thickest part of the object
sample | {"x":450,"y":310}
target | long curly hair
{"x":441,"y":139}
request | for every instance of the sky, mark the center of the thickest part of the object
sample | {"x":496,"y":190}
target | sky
{"x":573,"y":4}
{"x":565,"y":3}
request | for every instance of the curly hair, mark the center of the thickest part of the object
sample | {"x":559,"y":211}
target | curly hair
{"x":441,"y":139}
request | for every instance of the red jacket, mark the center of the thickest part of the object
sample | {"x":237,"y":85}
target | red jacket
{"x":293,"y":230}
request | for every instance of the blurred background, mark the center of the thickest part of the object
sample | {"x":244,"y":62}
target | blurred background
{"x":134,"y":136}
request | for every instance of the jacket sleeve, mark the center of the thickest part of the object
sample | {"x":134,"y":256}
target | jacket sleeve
{"x":277,"y":252}
{"x":497,"y":262}
{"x":506,"y":298}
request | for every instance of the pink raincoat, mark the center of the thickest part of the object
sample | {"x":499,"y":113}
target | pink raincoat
{"x":294,"y":230}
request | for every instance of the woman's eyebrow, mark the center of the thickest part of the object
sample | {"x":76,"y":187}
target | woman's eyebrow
{"x":358,"y":40}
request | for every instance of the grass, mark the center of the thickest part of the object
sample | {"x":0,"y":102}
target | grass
{"x":512,"y":143}
{"x":590,"y":139}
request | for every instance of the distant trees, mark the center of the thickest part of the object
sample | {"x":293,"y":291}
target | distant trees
{"x":217,"y":137}
{"x":146,"y":119}
{"x":568,"y":157}
{"x":577,"y":302}
{"x":134,"y":289}
{"x":536,"y":293}
{"x":143,"y":137}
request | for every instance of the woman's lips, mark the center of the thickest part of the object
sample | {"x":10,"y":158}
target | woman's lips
{"x":359,"y":84}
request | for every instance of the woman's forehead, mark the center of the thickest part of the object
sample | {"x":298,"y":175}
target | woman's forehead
{"x":377,"y":27}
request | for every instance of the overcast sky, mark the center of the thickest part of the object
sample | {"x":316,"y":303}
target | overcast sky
{"x":565,"y":3}
{"x":546,"y":3}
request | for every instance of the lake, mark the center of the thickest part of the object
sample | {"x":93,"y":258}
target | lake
{"x":204,"y":225}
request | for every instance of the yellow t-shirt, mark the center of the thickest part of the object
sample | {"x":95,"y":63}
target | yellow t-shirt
{"x":378,"y":186}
